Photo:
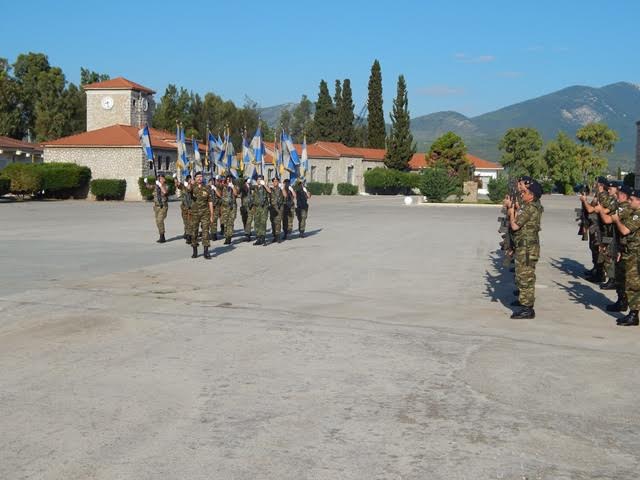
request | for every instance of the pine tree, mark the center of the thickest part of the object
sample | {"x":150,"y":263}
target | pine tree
{"x":337,"y":102}
{"x":401,"y":147}
{"x":325,"y":117}
{"x":302,"y":120}
{"x":345,"y":115}
{"x":376,"y":126}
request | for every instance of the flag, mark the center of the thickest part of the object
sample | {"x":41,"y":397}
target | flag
{"x":285,"y":155}
{"x":258,"y":148}
{"x":247,"y":154}
{"x":197,"y":159}
{"x":180,"y":166}
{"x":304,"y":162}
{"x":183,"y":153}
{"x":291,"y":148}
{"x":231,"y":157}
{"x":293,"y":171}
{"x":145,"y":142}
{"x":277,"y":159}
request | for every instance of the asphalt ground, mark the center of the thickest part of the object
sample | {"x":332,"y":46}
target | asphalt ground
{"x":379,"y":347}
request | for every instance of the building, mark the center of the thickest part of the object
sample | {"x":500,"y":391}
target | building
{"x":16,"y":151}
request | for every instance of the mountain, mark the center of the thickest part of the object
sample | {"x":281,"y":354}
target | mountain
{"x":271,"y":115}
{"x":617,"y":105}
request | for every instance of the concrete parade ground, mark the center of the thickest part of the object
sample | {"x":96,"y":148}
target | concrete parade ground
{"x":379,"y":347}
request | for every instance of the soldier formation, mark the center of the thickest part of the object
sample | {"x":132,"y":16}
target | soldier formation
{"x":205,"y":207}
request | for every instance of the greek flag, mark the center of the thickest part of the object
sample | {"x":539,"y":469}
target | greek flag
{"x":291,"y":147}
{"x":231,"y":160}
{"x":258,"y":148}
{"x":285,"y":158}
{"x":180,"y":166}
{"x":305,"y":158}
{"x":293,"y":170}
{"x":145,"y":142}
{"x":247,"y":153}
{"x":197,"y":159}
{"x":183,"y":151}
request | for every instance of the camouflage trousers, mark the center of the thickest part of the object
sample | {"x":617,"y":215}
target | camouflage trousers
{"x":160,"y":213}
{"x":260,"y":219}
{"x":247,"y":215}
{"x":227,"y":217}
{"x":620,"y":278}
{"x":186,"y":219}
{"x":526,"y":257}
{"x":301,"y":213}
{"x":276,"y":220}
{"x":608,"y":261}
{"x":216,"y":218}
{"x":287,"y":219}
{"x":200,"y":218}
{"x":632,"y":280}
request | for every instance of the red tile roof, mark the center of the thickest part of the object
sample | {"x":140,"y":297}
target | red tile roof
{"x":371,"y":154}
{"x":116,"y":136}
{"x":418,"y":161}
{"x":334,"y":150}
{"x":118,"y":83}
{"x":8,"y":143}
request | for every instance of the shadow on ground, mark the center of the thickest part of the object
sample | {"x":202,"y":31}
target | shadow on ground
{"x":499,"y":286}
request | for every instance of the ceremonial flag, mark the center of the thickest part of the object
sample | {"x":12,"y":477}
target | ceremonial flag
{"x":258,"y":148}
{"x":180,"y":166}
{"x":291,"y":148}
{"x":145,"y":142}
{"x":285,"y":157}
{"x":231,"y":157}
{"x":247,"y":153}
{"x":197,"y":159}
{"x":183,"y":152}
{"x":304,"y":163}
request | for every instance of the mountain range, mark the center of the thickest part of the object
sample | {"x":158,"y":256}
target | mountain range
{"x":617,"y":105}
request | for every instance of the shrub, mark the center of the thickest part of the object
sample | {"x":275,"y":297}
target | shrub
{"x":5,"y":186}
{"x":387,"y":181}
{"x":315,"y":188}
{"x":437,"y":184}
{"x":108,"y":189}
{"x":498,"y":188}
{"x":25,"y":178}
{"x":547,"y":186}
{"x":347,"y":189}
{"x":64,"y":180}
{"x":630,"y":179}
{"x":147,"y":194}
{"x":327,"y":188}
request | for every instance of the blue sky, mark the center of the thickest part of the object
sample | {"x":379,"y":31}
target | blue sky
{"x":467,"y":56}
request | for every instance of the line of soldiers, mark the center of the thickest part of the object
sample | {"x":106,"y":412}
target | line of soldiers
{"x":205,"y":206}
{"x":611,"y":221}
{"x":522,"y":243}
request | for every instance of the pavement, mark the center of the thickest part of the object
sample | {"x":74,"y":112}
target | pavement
{"x":379,"y":347}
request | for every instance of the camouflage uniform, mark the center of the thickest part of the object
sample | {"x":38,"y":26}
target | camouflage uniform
{"x":609,"y":233}
{"x":200,"y":214}
{"x":527,"y":251}
{"x":261,"y":205}
{"x":631,"y":257}
{"x":624,"y":213}
{"x":217,"y":207}
{"x":185,"y":208}
{"x":160,"y":208}
{"x":302,"y":208}
{"x":288,"y":208}
{"x":228,"y":211}
{"x":247,"y":208}
{"x":275,"y":211}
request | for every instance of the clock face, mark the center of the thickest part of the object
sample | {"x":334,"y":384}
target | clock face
{"x":107,"y":103}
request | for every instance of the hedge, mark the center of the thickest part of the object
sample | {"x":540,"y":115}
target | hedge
{"x":436,"y":184}
{"x":498,"y":188}
{"x":147,"y":194}
{"x":318,"y":188}
{"x":64,"y":180}
{"x":5,"y":185}
{"x":387,"y":181}
{"x":328,"y":189}
{"x":108,"y":189}
{"x":25,"y":179}
{"x":347,"y":189}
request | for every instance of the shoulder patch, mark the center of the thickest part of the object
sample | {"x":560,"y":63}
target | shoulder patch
{"x":635,"y":217}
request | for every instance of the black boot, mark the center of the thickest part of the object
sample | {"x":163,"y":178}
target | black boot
{"x":259,"y":240}
{"x":516,"y":292}
{"x":608,"y":285}
{"x":195,"y":252}
{"x":516,"y":303}
{"x":301,"y":233}
{"x":161,"y":239}
{"x":206,"y":253}
{"x":621,"y":305}
{"x":630,"y":320}
{"x":247,"y":237}
{"x":280,"y":238}
{"x":597,"y":276}
{"x":215,"y":237}
{"x":264,"y":241}
{"x":524,"y":313}
{"x":187,"y":238}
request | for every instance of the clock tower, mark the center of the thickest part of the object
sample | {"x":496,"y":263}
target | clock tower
{"x":118,"y":101}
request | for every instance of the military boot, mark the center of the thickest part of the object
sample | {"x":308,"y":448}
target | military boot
{"x":516,"y":303}
{"x":630,"y":320}
{"x":227,"y":241}
{"x":259,"y":240}
{"x":215,"y":237}
{"x":206,"y":253}
{"x":195,"y":252}
{"x":161,"y":239}
{"x":610,"y":284}
{"x":284,"y":234}
{"x":187,"y":238}
{"x":621,"y":305}
{"x":301,"y":233}
{"x":247,"y":237}
{"x":524,"y":313}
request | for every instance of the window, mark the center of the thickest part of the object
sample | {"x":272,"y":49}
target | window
{"x":313,"y":174}
{"x":269,"y":174}
{"x":350,"y":174}
{"x":167,"y":161}
{"x":327,"y":174}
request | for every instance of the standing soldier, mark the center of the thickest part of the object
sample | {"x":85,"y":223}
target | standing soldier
{"x":302,"y":206}
{"x":527,"y":223}
{"x":202,"y":214}
{"x":160,"y":203}
{"x":228,"y":208}
{"x":596,"y":274}
{"x":261,"y":201}
{"x":247,"y":208}
{"x":288,"y":207}
{"x":185,"y":205}
{"x":608,"y":205}
{"x":275,"y":211}
{"x":216,"y":189}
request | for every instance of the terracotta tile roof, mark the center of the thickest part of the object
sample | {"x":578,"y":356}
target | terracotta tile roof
{"x":118,"y":83}
{"x":116,"y":136}
{"x":418,"y":161}
{"x":8,"y":143}
{"x":371,"y":154}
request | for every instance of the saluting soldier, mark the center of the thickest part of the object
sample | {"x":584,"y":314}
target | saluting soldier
{"x":302,"y":206}
{"x":202,"y":214}
{"x":160,"y":203}
{"x":275,"y":210}
{"x":228,"y":208}
{"x":526,"y":222}
{"x":247,"y":208}
{"x":288,"y":206}
{"x":261,"y":203}
{"x":185,"y":204}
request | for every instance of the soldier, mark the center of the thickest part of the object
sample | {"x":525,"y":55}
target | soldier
{"x":302,"y":206}
{"x":261,"y":202}
{"x":631,"y":230}
{"x":160,"y":203}
{"x":609,"y":204}
{"x":216,"y":189}
{"x":275,"y":210}
{"x":228,"y":208}
{"x":247,"y":209}
{"x":202,"y":214}
{"x":185,"y":205}
{"x":527,"y":223}
{"x":597,"y":273}
{"x":288,"y":207}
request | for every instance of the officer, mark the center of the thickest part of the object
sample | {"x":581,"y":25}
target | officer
{"x":185,"y":204}
{"x":526,"y":222}
{"x":302,"y":205}
{"x":247,"y":209}
{"x":228,"y":208}
{"x":160,"y":203}
{"x":202,"y":214}
{"x":288,"y":207}
{"x":275,"y":210}
{"x":261,"y":202}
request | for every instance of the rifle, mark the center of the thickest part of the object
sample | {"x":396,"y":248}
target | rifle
{"x":582,"y":216}
{"x":505,"y":228}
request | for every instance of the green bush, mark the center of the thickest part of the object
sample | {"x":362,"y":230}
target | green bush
{"x":547,"y":186}
{"x":108,"y":189}
{"x":315,"y":188}
{"x":64,"y":180}
{"x":327,"y":188}
{"x":498,"y":189}
{"x":5,"y":186}
{"x":437,"y":184}
{"x":630,"y":179}
{"x":387,"y":181}
{"x":147,"y":194}
{"x":347,"y":189}
{"x":25,"y":178}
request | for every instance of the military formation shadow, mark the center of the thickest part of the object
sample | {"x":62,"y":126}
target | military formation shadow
{"x":499,"y":287}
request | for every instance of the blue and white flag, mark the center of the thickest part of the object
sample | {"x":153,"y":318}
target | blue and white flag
{"x":291,"y":148}
{"x":304,"y":161}
{"x":183,"y":153}
{"x":258,"y":148}
{"x":197,"y":159}
{"x":293,"y":171}
{"x":285,"y":156}
{"x":145,"y":142}
{"x":231,"y":158}
{"x":180,"y":165}
{"x":247,"y":153}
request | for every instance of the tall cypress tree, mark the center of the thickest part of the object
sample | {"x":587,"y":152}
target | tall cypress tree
{"x":401,"y":147}
{"x":345,"y":115}
{"x":376,"y":127}
{"x":337,"y":102}
{"x":325,"y":116}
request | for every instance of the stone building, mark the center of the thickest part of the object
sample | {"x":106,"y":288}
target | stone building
{"x":16,"y":151}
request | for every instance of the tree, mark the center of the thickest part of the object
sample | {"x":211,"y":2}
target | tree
{"x":10,"y":118}
{"x":590,"y":164}
{"x":27,"y":70}
{"x":337,"y":98}
{"x":450,"y":152}
{"x":89,"y":76}
{"x":52,"y":112}
{"x":401,"y":147}
{"x":302,"y":120}
{"x":175,"y":105}
{"x":345,"y":129}
{"x":562,"y":163}
{"x":285,"y":120}
{"x":521,"y":152}
{"x":325,"y":117}
{"x":599,"y":136}
{"x":376,"y":129}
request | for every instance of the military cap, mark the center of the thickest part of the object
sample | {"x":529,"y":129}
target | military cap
{"x":626,"y":189}
{"x":286,"y":180}
{"x":526,"y":179}
{"x":161,"y":175}
{"x":197,"y":173}
{"x":535,"y":188}
{"x":602,"y":180}
{"x":260,"y":177}
{"x":635,"y":193}
{"x":613,"y":183}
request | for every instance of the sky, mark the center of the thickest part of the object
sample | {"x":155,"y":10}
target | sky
{"x":468,"y":56}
